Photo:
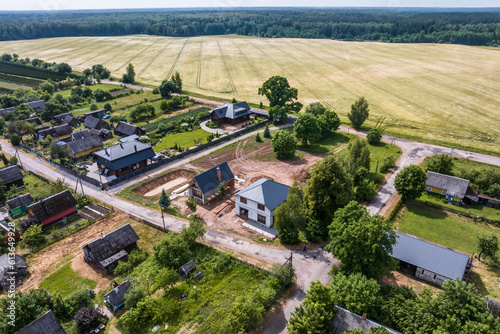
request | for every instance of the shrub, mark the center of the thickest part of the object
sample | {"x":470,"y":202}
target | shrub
{"x":93,"y":107}
{"x":257,"y":138}
{"x":267,"y":133}
{"x":33,"y":235}
{"x":15,"y":140}
{"x":374,"y":136}
{"x":387,"y":163}
{"x":107,"y":106}
{"x":13,"y":161}
{"x":156,"y":90}
{"x":87,"y":319}
{"x":191,"y":203}
{"x":134,"y":296}
{"x":136,"y":257}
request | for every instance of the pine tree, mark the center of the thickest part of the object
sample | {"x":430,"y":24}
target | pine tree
{"x":164,"y":200}
{"x":267,"y":133}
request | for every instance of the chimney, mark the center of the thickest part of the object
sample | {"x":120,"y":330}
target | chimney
{"x":135,"y":148}
{"x":364,"y":316}
{"x":121,"y":145}
{"x":218,"y":174}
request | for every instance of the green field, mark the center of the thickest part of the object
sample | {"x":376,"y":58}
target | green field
{"x":65,"y":281}
{"x":439,"y":92}
{"x":183,"y":139}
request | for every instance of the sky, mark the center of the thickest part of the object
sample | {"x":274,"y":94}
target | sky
{"x":54,"y":5}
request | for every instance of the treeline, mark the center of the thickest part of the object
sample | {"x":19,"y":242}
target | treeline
{"x":470,"y":27}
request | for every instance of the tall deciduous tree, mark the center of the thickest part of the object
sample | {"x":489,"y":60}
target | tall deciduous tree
{"x":316,"y":108}
{"x":87,"y":319}
{"x":410,"y":182}
{"x":362,"y":243}
{"x":176,"y":78}
{"x":284,"y":144}
{"x":328,"y":122}
{"x":279,"y":93}
{"x":167,"y":87}
{"x":487,"y":246}
{"x":441,"y":163}
{"x":278,"y":114}
{"x":289,"y":217}
{"x":129,"y":77}
{"x":374,"y":136}
{"x":359,"y":155}
{"x":359,"y":112}
{"x":328,"y":189}
{"x":306,"y":129}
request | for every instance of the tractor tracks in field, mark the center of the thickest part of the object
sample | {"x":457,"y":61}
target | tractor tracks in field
{"x":176,"y":60}
{"x":231,"y":82}
{"x":200,"y":60}
{"x":250,"y":62}
{"x":103,"y":51}
{"x":137,"y":55}
{"x":153,"y":59}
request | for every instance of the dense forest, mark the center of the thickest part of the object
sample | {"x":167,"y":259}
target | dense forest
{"x":470,"y":27}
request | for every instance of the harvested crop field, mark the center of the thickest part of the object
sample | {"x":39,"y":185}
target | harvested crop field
{"x":441,"y":92}
{"x":169,"y":181}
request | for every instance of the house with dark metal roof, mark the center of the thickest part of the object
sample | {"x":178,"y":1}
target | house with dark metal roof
{"x":37,"y":106}
{"x":110,"y":248}
{"x":47,"y":323}
{"x":60,"y":132}
{"x":19,"y":269}
{"x":11,"y":176}
{"x":123,"y":158}
{"x":59,"y":119}
{"x":344,"y":321}
{"x":96,"y":113}
{"x":53,"y":208}
{"x":259,"y":200}
{"x":85,"y":146}
{"x":428,"y":261}
{"x":451,"y":187}
{"x":33,"y":120}
{"x":205,"y":186}
{"x":125,"y":129}
{"x":231,"y":113}
{"x":19,"y":204}
{"x":70,"y":120}
{"x":116,"y":297}
{"x":80,"y":134}
{"x":96,"y":123}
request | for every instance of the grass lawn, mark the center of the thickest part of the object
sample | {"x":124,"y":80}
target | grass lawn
{"x":65,"y":281}
{"x":38,"y":188}
{"x":466,"y":164}
{"x":184,"y":139}
{"x":327,"y":144}
{"x":443,"y":228}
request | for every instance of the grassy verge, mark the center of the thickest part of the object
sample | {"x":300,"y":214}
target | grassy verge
{"x":327,"y":144}
{"x":66,"y":281}
{"x":37,"y":187}
{"x":183,"y":139}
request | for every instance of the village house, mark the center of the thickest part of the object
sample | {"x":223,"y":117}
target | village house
{"x":100,"y":113}
{"x":37,"y":106}
{"x":53,"y":208}
{"x":259,"y":200}
{"x":430,"y":262}
{"x":83,"y":147}
{"x":71,"y":121}
{"x":231,"y":113}
{"x":11,"y":177}
{"x":33,"y":120}
{"x":115,"y":298}
{"x":19,"y":204}
{"x":96,"y":123}
{"x":452,"y":188}
{"x":60,"y":132}
{"x":47,"y":323}
{"x":20,"y":269}
{"x":80,"y":134}
{"x":59,"y":119}
{"x":124,"y":130}
{"x":344,"y":321}
{"x":123,"y":158}
{"x":205,"y":186}
{"x":110,"y":248}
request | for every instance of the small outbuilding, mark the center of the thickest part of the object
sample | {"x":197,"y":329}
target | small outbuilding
{"x":125,"y":129}
{"x":59,"y":119}
{"x":115,"y":298}
{"x":19,"y":204}
{"x":452,"y":188}
{"x":187,"y":268}
{"x":33,"y":120}
{"x":12,"y":267}
{"x":96,"y":123}
{"x":53,"y":209}
{"x":80,"y":134}
{"x":100,"y":113}
{"x":430,"y":262}
{"x":344,"y":321}
{"x":205,"y":186}
{"x":110,"y":248}
{"x":85,"y":146}
{"x":60,"y":132}
{"x":47,"y":323}
{"x":11,"y":177}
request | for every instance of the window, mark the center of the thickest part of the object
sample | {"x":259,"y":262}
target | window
{"x":261,"y":207}
{"x":443,"y":192}
{"x":435,"y":276}
{"x":261,"y":219}
{"x":429,"y":189}
{"x":243,"y":200}
{"x":423,"y":271}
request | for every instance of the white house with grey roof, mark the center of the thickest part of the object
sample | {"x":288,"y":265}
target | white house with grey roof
{"x":259,"y":200}
{"x":428,"y":261}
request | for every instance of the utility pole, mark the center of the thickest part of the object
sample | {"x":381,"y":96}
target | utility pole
{"x":162,"y":218}
{"x":19,"y":159}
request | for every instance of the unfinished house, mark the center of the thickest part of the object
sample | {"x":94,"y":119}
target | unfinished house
{"x":259,"y":200}
{"x":430,"y":262}
{"x":110,"y":248}
{"x":205,"y":186}
{"x":53,"y":209}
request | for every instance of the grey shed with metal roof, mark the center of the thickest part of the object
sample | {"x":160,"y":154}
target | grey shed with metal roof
{"x":454,"y":186}
{"x":47,"y":323}
{"x":433,"y":263}
{"x":267,"y":192}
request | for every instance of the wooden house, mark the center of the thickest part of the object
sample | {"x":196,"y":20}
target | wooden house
{"x":53,"y":208}
{"x":12,"y":265}
{"x":110,"y":248}
{"x":124,"y":158}
{"x":259,"y":200}
{"x":125,"y":129}
{"x":115,"y":298}
{"x":96,"y":113}
{"x":33,"y":120}
{"x":59,"y":119}
{"x":428,"y":261}
{"x":60,"y":132}
{"x":452,"y":188}
{"x":47,"y":323}
{"x":229,"y":113}
{"x":11,"y":177}
{"x":37,"y":106}
{"x":206,"y":185}
{"x":85,"y":146}
{"x":80,"y":134}
{"x":95,"y":123}
{"x":19,"y":204}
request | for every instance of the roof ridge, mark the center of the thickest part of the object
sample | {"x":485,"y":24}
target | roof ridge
{"x":454,"y":177}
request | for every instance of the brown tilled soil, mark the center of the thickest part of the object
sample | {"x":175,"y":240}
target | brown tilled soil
{"x":158,"y":182}
{"x":50,"y":259}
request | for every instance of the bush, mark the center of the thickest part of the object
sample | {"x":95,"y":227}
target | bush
{"x":33,"y":235}
{"x":134,"y":296}
{"x":136,"y":257}
{"x":75,"y":302}
{"x":156,"y":90}
{"x":387,"y":163}
{"x":257,"y":138}
{"x":107,"y":106}
{"x":267,"y":133}
{"x":13,"y":161}
{"x":15,"y":140}
{"x":374,"y":136}
{"x":93,"y":107}
{"x":191,"y":203}
{"x":366,"y":190}
{"x":87,"y":319}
